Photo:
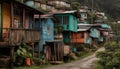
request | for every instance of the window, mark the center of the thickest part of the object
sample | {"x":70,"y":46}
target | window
{"x":37,"y":24}
{"x":78,"y":27}
{"x":18,"y":17}
{"x":82,"y":35}
{"x":65,"y":20}
{"x":59,"y":18}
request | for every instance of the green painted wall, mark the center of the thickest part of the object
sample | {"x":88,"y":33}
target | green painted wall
{"x":72,"y":22}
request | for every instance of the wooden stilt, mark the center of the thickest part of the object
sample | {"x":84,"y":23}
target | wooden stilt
{"x":58,"y":49}
{"x":33,"y":50}
{"x":12,"y":56}
{"x":38,"y":49}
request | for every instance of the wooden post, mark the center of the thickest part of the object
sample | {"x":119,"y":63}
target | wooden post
{"x":54,"y":53}
{"x":23,"y":17}
{"x":12,"y":56}
{"x":62,"y":50}
{"x":38,"y":49}
{"x":12,"y":15}
{"x":11,"y":21}
{"x":32,"y":49}
{"x":58,"y":49}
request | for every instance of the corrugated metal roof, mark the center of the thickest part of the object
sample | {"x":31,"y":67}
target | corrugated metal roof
{"x":84,"y":27}
{"x":46,"y":16}
{"x":73,"y":11}
{"x":63,"y":12}
{"x":82,"y":30}
{"x":85,"y":24}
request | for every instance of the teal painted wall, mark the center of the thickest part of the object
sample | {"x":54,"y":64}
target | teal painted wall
{"x":100,"y":39}
{"x":72,"y":22}
{"x":95,"y":33}
{"x":87,"y":40}
{"x":66,"y":37}
{"x":83,"y":15}
{"x":104,"y":26}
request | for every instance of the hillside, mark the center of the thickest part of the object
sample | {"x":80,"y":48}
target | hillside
{"x":111,"y":7}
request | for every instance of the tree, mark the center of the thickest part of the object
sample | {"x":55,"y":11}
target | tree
{"x":75,"y":5}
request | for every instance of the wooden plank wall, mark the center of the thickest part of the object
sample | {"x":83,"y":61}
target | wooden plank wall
{"x":6,"y":20}
{"x":6,"y":16}
{"x":77,"y":39}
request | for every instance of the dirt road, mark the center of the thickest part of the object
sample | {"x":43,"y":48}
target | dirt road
{"x":86,"y":63}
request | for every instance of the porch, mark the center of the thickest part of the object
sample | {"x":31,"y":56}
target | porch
{"x":14,"y":36}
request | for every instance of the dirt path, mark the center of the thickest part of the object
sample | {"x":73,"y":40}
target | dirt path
{"x":86,"y":63}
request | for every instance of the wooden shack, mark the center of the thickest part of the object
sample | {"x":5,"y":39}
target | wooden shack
{"x":17,"y":25}
{"x":82,"y":34}
{"x":54,"y":51}
{"x":68,"y":21}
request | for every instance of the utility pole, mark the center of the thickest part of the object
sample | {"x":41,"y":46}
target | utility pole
{"x":92,"y":12}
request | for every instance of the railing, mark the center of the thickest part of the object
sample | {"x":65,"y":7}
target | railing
{"x":14,"y":36}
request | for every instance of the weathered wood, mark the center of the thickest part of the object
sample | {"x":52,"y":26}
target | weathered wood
{"x":24,"y":17}
{"x":39,"y":50}
{"x":12,"y":57}
{"x":33,"y":49}
{"x":4,"y":44}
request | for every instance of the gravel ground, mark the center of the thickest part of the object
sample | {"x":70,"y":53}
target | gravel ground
{"x":86,"y":63}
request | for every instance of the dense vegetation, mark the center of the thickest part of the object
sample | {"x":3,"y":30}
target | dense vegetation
{"x":110,"y":58}
{"x":111,"y":7}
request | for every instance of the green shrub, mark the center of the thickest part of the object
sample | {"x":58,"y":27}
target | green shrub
{"x":110,"y":58}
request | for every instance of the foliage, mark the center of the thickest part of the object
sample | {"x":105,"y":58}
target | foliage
{"x":23,"y":52}
{"x":110,"y":58}
{"x":39,"y":61}
{"x":115,"y":27}
{"x":75,"y":5}
{"x":105,"y":5}
{"x":58,"y":29}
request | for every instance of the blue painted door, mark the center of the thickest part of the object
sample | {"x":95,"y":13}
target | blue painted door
{"x":47,"y":32}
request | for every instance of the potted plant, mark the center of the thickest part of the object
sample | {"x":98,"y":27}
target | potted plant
{"x":23,"y":55}
{"x":28,"y":59}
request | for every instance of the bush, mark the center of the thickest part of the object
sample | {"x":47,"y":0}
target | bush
{"x":110,"y":58}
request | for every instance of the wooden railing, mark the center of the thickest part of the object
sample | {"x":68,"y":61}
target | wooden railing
{"x":14,"y":36}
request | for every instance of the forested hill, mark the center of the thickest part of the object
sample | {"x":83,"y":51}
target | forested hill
{"x":110,"y":7}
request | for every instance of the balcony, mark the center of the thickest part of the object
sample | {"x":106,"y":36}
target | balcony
{"x":15,"y":36}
